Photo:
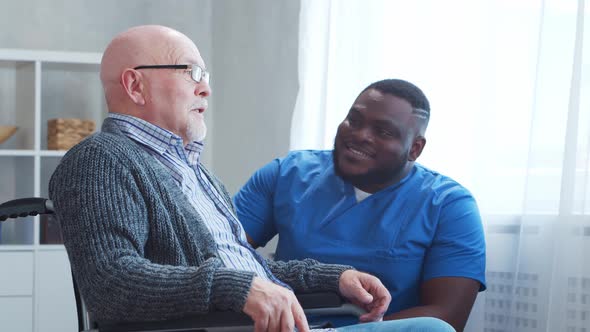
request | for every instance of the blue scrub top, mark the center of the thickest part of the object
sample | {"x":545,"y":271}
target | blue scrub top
{"x":423,"y":227}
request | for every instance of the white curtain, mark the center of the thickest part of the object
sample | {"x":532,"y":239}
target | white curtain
{"x":509,"y":86}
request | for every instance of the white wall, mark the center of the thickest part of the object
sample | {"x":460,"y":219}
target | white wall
{"x":84,"y":25}
{"x":254,"y":84}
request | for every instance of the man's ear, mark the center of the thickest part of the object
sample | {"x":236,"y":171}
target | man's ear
{"x":132,"y":82}
{"x":417,"y":147}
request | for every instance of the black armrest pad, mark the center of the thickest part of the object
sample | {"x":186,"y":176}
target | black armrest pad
{"x":189,"y":323}
{"x":24,"y":207}
{"x":219,"y":318}
{"x":319,"y":300}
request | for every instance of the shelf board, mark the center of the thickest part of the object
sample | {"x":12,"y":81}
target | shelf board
{"x":17,"y":153}
{"x":31,"y":247}
{"x":50,"y":56}
{"x":52,"y":153}
{"x":16,"y":247}
{"x":51,"y":247}
{"x":32,"y":153}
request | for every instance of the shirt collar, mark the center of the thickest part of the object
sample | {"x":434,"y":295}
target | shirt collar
{"x":157,"y":138}
{"x":193,"y":152}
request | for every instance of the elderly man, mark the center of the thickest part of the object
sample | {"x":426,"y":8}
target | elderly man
{"x":368,"y":203}
{"x":150,"y":233}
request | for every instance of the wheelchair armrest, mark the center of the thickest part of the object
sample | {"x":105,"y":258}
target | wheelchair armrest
{"x":327,"y":304}
{"x":24,"y":207}
{"x":319,"y":300}
{"x":313,"y":304}
{"x":213,"y":321}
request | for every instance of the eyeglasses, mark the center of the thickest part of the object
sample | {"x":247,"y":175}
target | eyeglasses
{"x":197,"y":73}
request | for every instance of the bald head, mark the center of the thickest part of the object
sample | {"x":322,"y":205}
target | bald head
{"x":142,"y":45}
{"x":138,"y":80}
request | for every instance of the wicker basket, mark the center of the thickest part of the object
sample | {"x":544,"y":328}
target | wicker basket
{"x":6,"y":132}
{"x":62,"y":134}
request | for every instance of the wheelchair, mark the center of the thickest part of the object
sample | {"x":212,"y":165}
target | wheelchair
{"x":315,"y":304}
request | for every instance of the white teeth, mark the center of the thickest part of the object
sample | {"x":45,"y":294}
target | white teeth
{"x":359,"y":153}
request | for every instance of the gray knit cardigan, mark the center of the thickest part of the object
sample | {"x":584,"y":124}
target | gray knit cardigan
{"x":138,"y":249}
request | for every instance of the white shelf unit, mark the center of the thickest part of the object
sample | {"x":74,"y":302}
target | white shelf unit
{"x":35,"y":283}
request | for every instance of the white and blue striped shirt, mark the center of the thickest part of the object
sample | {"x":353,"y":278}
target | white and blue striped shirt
{"x":184,"y":166}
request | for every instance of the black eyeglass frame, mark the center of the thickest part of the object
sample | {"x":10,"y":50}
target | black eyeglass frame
{"x":197,"y":73}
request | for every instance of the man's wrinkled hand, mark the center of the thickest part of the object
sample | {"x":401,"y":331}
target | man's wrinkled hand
{"x":367,"y":292}
{"x":274,"y":308}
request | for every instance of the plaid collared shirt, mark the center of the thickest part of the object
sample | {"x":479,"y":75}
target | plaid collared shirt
{"x":184,"y":166}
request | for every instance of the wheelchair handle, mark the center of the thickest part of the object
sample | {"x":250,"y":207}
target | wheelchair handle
{"x":24,"y":207}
